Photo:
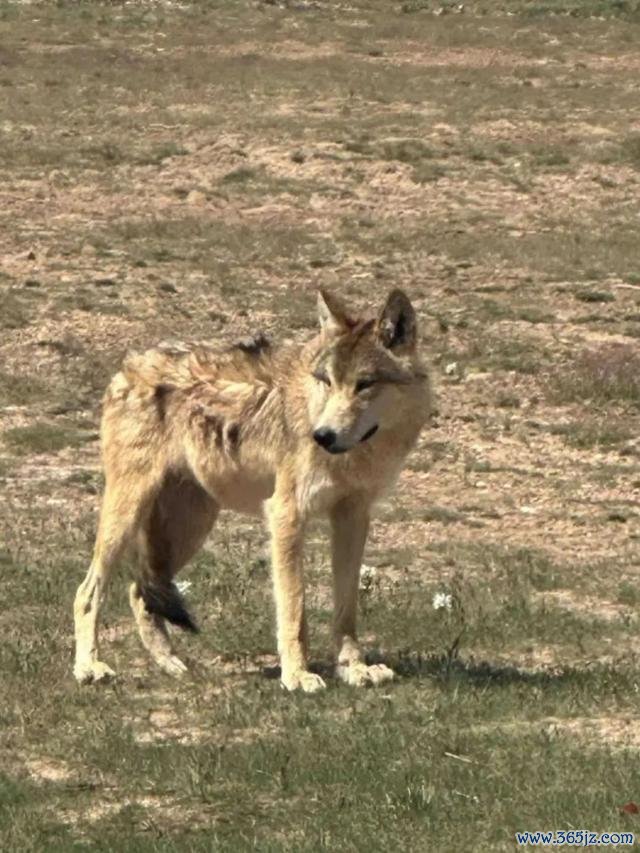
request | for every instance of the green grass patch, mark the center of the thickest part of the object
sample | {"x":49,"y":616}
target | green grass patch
{"x":21,"y":390}
{"x":596,"y":432}
{"x":44,"y":437}
{"x":415,"y":152}
{"x":17,"y":310}
{"x":591,"y":296}
{"x":438,"y":753}
{"x":492,"y":352}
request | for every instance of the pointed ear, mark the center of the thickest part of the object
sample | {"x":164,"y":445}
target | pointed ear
{"x":332,"y":314}
{"x":397,"y":327}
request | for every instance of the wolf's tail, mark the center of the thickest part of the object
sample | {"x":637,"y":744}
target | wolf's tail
{"x":165,"y":599}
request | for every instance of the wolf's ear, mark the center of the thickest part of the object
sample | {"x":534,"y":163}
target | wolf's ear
{"x":397,"y":328}
{"x":332,"y":314}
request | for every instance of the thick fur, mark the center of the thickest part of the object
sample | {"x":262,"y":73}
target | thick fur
{"x":315,"y":429}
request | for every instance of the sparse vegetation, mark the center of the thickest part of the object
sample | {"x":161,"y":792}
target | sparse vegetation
{"x":16,"y":310}
{"x":43,"y":437}
{"x":609,"y":373}
{"x":493,"y":352}
{"x":595,"y":432}
{"x":18,"y":390}
{"x":195,"y":170}
{"x":595,"y":296}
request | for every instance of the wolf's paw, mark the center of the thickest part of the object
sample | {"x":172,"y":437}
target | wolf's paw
{"x":308,"y":682}
{"x":358,"y":674}
{"x":172,"y":665}
{"x":88,"y":673}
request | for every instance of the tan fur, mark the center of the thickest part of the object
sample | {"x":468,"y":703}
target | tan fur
{"x":187,"y":431}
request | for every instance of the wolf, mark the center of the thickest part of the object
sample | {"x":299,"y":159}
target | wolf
{"x":290,"y":433}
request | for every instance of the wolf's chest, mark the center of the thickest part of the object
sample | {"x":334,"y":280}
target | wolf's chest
{"x":319,"y":487}
{"x":242,"y":493}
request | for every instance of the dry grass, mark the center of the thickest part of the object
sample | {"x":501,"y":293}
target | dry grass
{"x":608,"y":374}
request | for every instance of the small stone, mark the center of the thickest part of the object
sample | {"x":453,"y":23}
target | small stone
{"x":478,"y":377}
{"x":196,"y":198}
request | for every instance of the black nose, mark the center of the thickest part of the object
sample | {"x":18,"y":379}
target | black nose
{"x":325,"y":437}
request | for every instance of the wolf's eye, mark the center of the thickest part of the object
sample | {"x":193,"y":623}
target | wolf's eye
{"x":322,"y":377}
{"x":363,"y":384}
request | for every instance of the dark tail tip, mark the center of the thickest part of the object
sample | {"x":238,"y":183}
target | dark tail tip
{"x":165,"y":600}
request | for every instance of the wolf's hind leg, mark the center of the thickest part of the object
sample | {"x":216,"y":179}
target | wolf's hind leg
{"x":86,"y":610}
{"x":180,"y":520}
{"x":119,"y":517}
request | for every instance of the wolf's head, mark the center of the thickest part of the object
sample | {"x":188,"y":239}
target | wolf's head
{"x":367,"y":376}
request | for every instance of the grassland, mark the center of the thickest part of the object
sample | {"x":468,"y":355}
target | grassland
{"x":196,"y":171}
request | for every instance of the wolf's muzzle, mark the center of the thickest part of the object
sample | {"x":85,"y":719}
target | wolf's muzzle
{"x":328,"y":439}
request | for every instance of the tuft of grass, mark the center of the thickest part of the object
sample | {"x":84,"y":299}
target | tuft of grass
{"x":405,"y":150}
{"x":626,"y":9}
{"x":20,"y":390}
{"x":591,"y":432}
{"x":595,"y":296}
{"x":610,"y":373}
{"x":630,"y":149}
{"x":442,"y":514}
{"x":629,"y":593}
{"x":493,"y":352}
{"x":17,"y":310}
{"x":44,"y":437}
{"x":493,"y":310}
{"x":412,"y":151}
{"x":105,"y":152}
{"x":156,"y":154}
{"x":427,"y":172}
{"x":508,"y":400}
{"x":240,"y":175}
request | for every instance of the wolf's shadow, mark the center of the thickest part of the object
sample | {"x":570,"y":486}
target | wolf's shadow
{"x":461,"y":670}
{"x":443,"y":669}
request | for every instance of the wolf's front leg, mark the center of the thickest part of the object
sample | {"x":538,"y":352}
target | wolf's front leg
{"x":349,"y":528}
{"x":287,"y":539}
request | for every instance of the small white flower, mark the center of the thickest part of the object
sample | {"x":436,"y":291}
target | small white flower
{"x":184,"y":586}
{"x":442,"y":601}
{"x":368,"y":575}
